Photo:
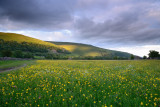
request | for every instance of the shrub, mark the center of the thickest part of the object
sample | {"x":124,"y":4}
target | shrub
{"x":18,"y":54}
{"x":28,"y":55}
{"x":6,"y":53}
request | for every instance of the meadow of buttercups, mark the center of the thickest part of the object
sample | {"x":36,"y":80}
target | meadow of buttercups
{"x":81,"y":83}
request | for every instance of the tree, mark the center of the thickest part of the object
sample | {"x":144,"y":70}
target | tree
{"x":144,"y":57}
{"x":28,"y":55}
{"x":52,"y":56}
{"x":132,"y":57}
{"x":115,"y":57}
{"x":153,"y":54}
{"x":18,"y":54}
{"x":6,"y":53}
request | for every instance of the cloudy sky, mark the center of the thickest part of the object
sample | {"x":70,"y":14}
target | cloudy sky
{"x":126,"y":25}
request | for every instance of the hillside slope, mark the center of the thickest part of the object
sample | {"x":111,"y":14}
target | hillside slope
{"x":79,"y":49}
{"x":16,"y":44}
{"x":21,"y":38}
{"x":38,"y":47}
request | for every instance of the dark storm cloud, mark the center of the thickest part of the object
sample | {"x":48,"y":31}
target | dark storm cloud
{"x":134,"y":26}
{"x":101,"y":21}
{"x":37,"y":13}
{"x":121,"y":31}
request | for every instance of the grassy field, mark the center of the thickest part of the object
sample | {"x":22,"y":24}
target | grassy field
{"x":83,"y":83}
{"x":13,"y":63}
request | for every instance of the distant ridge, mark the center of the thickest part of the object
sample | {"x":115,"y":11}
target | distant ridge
{"x":76,"y":49}
{"x":79,"y":49}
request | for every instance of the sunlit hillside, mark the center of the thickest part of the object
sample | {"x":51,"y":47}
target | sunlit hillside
{"x":89,"y":50}
{"x":76,"y":49}
{"x":20,"y":46}
{"x":21,"y":38}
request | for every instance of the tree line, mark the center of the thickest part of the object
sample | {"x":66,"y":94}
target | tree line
{"x":152,"y":55}
{"x":27,"y":49}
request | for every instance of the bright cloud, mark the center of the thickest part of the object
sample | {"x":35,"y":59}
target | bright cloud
{"x":138,"y":50}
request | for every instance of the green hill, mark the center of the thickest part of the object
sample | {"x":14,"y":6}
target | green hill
{"x":27,"y":46}
{"x":79,"y":49}
{"x":21,"y":38}
{"x":36,"y":47}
